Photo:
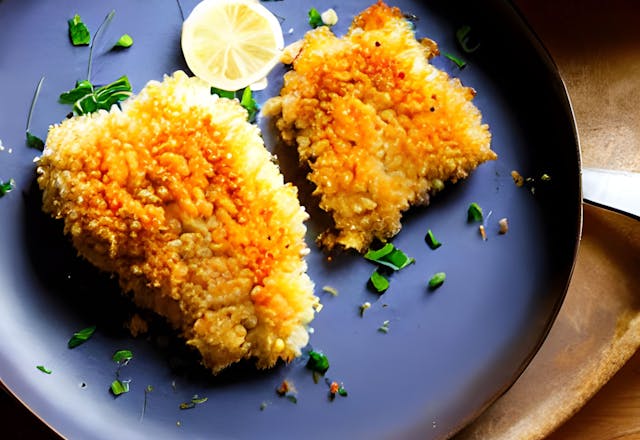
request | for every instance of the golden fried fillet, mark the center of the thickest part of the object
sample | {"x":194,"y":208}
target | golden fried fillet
{"x":177,"y":195}
{"x":380,"y":128}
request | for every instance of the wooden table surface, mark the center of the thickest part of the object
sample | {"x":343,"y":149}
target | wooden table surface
{"x":597,"y":48}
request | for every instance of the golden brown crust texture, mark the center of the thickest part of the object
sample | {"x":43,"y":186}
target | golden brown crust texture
{"x":178,"y":196}
{"x":380,"y":128}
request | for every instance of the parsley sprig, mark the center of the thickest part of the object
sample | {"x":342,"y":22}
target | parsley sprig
{"x":86,"y":98}
{"x":390,"y":257}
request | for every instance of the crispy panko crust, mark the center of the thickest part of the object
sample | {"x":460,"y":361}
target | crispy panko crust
{"x":380,"y":128}
{"x":177,"y":195}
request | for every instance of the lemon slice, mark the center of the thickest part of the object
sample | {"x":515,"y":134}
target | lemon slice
{"x":231,"y":44}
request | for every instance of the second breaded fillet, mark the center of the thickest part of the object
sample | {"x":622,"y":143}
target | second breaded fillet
{"x":177,"y":195}
{"x":380,"y":128}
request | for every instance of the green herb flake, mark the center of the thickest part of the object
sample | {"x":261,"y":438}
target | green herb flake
{"x":474,"y":213}
{"x":545,"y":177}
{"x":81,"y":337}
{"x":88,"y":99}
{"x":43,"y":369}
{"x":195,"y":400}
{"x":375,"y":255}
{"x":124,"y":41}
{"x":379,"y":281}
{"x":78,"y":32}
{"x":223,"y":93}
{"x":6,"y":187}
{"x":122,"y":356}
{"x":318,"y":362}
{"x":389,"y":256}
{"x":397,"y":260}
{"x":431,"y":240}
{"x":465,"y":38}
{"x":249,"y":104}
{"x":384,"y":328}
{"x":315,"y":19}
{"x":263,"y":405}
{"x":198,"y":400}
{"x":437,"y":280}
{"x":342,"y":391}
{"x":119,"y":387}
{"x":81,"y":89}
{"x":34,"y":142}
{"x":456,"y":60}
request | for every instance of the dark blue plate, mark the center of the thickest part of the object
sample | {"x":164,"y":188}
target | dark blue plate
{"x":448,"y":353}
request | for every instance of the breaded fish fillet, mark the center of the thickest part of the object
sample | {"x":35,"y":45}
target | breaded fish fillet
{"x":177,"y":195}
{"x":380,"y":128}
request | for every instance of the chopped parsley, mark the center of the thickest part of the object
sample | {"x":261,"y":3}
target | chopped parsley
{"x":78,"y":32}
{"x":315,"y":19}
{"x":43,"y":369}
{"x":437,"y":280}
{"x":198,"y":400}
{"x":195,"y":400}
{"x":34,"y":141}
{"x":379,"y":281}
{"x":456,"y":60}
{"x":249,"y":104}
{"x":389,"y":256}
{"x":81,"y":336}
{"x":6,"y":187}
{"x":223,"y":93}
{"x":474,"y":213}
{"x":119,"y":387}
{"x":465,"y":39}
{"x":88,"y":99}
{"x":122,"y":357}
{"x":124,"y":41}
{"x":431,"y":240}
{"x":318,"y":362}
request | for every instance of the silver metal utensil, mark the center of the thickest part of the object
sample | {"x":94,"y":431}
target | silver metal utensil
{"x":611,"y":189}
